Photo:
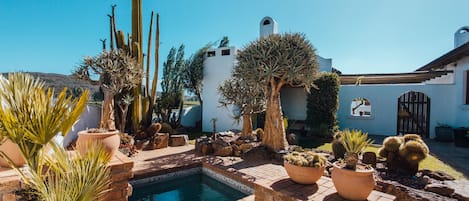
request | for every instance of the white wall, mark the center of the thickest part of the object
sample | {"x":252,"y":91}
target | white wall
{"x":383,"y":99}
{"x":89,"y":119}
{"x":216,"y":70}
{"x":462,"y":114}
{"x":190,"y":116}
{"x":293,"y":103}
{"x":325,"y":65}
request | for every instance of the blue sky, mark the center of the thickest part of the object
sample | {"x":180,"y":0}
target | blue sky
{"x":361,"y":36}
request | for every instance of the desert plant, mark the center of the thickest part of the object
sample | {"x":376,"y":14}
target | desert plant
{"x":404,"y":153}
{"x":337,"y":147}
{"x":354,"y":142}
{"x":322,"y":104}
{"x":31,"y":116}
{"x":166,"y":128}
{"x":247,"y":97}
{"x":117,"y":72}
{"x":275,"y":61}
{"x":305,"y":159}
{"x":259,"y":133}
{"x":86,"y":177}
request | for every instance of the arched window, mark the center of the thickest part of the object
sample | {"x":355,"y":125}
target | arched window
{"x":266,"y":22}
{"x":360,"y":107}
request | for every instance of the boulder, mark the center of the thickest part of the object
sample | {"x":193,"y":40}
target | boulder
{"x":223,"y":151}
{"x":159,"y":141}
{"x":440,"y":189}
{"x":178,"y":140}
{"x":369,"y":158}
{"x":246,"y":147}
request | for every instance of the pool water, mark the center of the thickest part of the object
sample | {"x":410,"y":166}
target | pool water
{"x":197,"y":187}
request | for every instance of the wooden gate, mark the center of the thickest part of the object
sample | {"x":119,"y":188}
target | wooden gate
{"x":413,"y":114}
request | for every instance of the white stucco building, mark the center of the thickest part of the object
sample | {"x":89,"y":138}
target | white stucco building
{"x":380,"y":104}
{"x":218,"y":66}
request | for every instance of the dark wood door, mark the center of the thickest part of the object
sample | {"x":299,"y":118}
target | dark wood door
{"x":413,"y":114}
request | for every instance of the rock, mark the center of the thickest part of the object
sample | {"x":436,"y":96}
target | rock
{"x":223,"y":151}
{"x":236,"y":150}
{"x":438,"y":175}
{"x":440,"y":189}
{"x":199,"y":142}
{"x":461,"y":189}
{"x":159,"y":141}
{"x":291,"y":138}
{"x":178,"y":140}
{"x":207,"y":149}
{"x":246,"y":147}
{"x":369,"y":158}
{"x":404,"y":193}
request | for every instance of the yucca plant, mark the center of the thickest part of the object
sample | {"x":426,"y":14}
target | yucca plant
{"x":31,"y":116}
{"x":86,"y":177}
{"x":354,"y":142}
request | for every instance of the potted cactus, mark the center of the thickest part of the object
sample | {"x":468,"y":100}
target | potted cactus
{"x":404,"y":153}
{"x":304,"y":167}
{"x":118,"y":72}
{"x":349,"y":171}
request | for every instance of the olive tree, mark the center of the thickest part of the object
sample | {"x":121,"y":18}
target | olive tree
{"x":276,"y":61}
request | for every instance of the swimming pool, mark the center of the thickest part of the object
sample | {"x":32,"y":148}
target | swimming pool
{"x":197,"y":184}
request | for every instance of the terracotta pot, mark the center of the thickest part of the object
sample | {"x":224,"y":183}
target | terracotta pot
{"x":353,"y":185}
{"x":303,"y":175}
{"x":110,"y":140}
{"x":13,"y":152}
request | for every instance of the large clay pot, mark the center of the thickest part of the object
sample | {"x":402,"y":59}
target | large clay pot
{"x":110,"y":141}
{"x":353,"y":185}
{"x":303,"y":175}
{"x":13,"y":152}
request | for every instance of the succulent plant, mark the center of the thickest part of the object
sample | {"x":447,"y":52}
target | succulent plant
{"x":337,"y":147}
{"x":259,"y":133}
{"x":404,"y":153}
{"x":305,"y":159}
{"x":354,"y":142}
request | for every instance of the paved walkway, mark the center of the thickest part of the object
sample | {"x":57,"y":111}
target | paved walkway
{"x":267,"y":177}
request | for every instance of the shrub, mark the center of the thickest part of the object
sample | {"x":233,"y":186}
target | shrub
{"x":166,"y":128}
{"x":322,"y":105}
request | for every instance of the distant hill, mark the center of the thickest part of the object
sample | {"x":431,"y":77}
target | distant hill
{"x":60,"y":81}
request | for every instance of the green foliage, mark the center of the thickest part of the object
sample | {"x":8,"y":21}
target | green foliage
{"x":225,"y":42}
{"x":194,"y":73}
{"x":305,"y":159}
{"x":273,"y":62}
{"x":65,"y":178}
{"x":31,"y":116}
{"x":355,"y":141}
{"x":166,"y":128}
{"x":322,"y":105}
{"x":172,"y":83}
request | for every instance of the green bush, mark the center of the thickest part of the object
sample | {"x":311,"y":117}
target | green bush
{"x":166,"y":128}
{"x":322,"y":105}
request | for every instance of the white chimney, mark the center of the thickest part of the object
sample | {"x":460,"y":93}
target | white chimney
{"x":268,"y":26}
{"x":461,"y":36}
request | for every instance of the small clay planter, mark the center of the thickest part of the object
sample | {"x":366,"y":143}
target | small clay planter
{"x":303,"y":175}
{"x":13,"y":152}
{"x":353,"y":185}
{"x":109,"y":139}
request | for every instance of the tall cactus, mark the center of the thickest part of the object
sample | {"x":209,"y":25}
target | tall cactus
{"x":142,"y":106}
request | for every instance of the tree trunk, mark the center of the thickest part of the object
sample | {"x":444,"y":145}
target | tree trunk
{"x":247,"y":126}
{"x":274,"y":137}
{"x":107,"y":111}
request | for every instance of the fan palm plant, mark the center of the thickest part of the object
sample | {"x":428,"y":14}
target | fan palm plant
{"x":354,"y":142}
{"x":31,"y":116}
{"x":86,"y":176}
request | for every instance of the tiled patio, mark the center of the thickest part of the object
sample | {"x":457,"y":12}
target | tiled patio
{"x":269,"y":179}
